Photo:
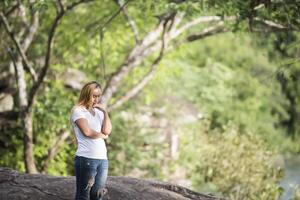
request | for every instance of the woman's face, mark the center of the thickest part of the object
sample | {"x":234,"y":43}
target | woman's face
{"x":96,"y":94}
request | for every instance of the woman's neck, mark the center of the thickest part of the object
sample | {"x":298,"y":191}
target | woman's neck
{"x":90,"y":108}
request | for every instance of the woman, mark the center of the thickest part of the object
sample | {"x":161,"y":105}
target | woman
{"x":91,"y":125}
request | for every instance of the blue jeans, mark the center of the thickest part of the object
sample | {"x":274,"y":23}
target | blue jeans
{"x":91,"y":175}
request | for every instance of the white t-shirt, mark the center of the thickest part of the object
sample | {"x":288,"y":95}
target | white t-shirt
{"x":88,"y":147}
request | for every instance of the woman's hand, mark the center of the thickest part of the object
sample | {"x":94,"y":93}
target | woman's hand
{"x":106,"y":125}
{"x":103,"y":136}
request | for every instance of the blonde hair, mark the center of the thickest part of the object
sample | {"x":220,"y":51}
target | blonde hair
{"x":85,"y":98}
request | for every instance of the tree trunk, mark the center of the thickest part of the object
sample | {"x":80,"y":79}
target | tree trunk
{"x":26,"y":117}
{"x":28,"y":142}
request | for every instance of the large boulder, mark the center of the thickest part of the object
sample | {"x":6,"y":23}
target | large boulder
{"x":6,"y":102}
{"x":18,"y":186}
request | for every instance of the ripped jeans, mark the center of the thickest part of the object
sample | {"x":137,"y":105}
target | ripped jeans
{"x":91,"y":175}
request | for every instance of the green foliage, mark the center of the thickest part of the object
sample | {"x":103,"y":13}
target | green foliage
{"x":285,"y":52}
{"x":132,"y":148}
{"x":283,"y":12}
{"x":51,"y":118}
{"x":236,"y":164}
{"x":11,"y":150}
{"x":236,"y":87}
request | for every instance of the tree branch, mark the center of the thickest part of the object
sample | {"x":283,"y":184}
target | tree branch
{"x":13,"y":60}
{"x":219,"y":28}
{"x":168,"y":37}
{"x":20,"y":80}
{"x":202,"y":19}
{"x":209,"y":31}
{"x":138,"y":87}
{"x":274,"y":25}
{"x":18,"y":46}
{"x":96,"y":23}
{"x":61,"y":6}
{"x":31,"y":31}
{"x":130,"y":21}
{"x":11,"y":10}
{"x":134,"y":58}
{"x":23,"y":13}
{"x":150,"y":44}
{"x":51,"y":34}
{"x":146,"y":47}
{"x":53,"y":150}
{"x":76,"y":3}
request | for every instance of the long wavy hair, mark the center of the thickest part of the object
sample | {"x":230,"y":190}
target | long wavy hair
{"x":85,"y":98}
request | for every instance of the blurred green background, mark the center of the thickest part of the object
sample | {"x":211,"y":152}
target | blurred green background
{"x":220,"y":114}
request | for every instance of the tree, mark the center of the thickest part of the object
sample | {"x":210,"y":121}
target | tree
{"x":178,"y":23}
{"x":22,"y":41}
{"x":288,"y":77}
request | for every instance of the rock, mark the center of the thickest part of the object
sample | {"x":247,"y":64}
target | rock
{"x":6,"y":102}
{"x":15,"y":186}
